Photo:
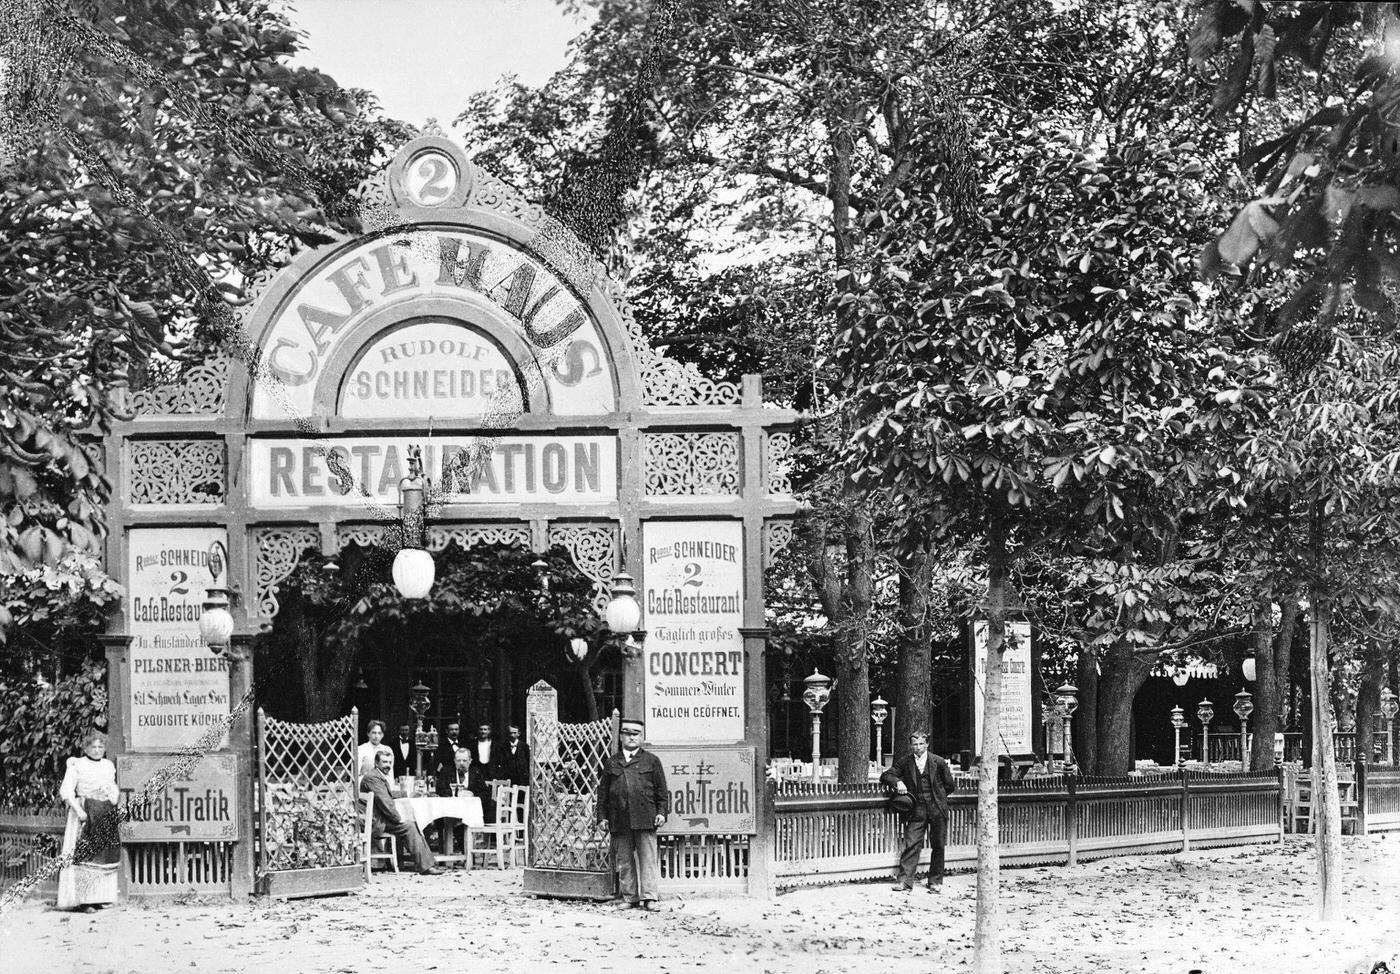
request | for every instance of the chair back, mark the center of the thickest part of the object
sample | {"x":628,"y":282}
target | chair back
{"x":369,"y":823}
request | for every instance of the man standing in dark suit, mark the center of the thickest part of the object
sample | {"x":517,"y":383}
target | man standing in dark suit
{"x":486,"y":759}
{"x":445,"y":762}
{"x":515,"y":758}
{"x":633,"y":803}
{"x":928,"y":780}
{"x":387,"y":820}
{"x":405,"y":753}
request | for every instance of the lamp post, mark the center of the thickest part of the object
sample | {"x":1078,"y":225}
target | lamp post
{"x":816,"y":694}
{"x":216,"y":622}
{"x":418,"y":703}
{"x":622,"y":613}
{"x":1244,"y":706}
{"x":1178,"y":723}
{"x":1390,"y":705}
{"x":1067,"y":699}
{"x":879,"y":710}
{"x":414,"y":570}
{"x":1204,"y":712}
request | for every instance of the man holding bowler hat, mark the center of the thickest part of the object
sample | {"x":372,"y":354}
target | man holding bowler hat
{"x":920,"y":783}
{"x":632,"y":804}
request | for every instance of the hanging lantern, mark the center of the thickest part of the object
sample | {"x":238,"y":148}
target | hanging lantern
{"x":216,"y":622}
{"x":414,"y":572}
{"x":541,"y":568}
{"x":1180,"y":675}
{"x":1248,"y":668}
{"x":579,"y":647}
{"x":623,"y":614}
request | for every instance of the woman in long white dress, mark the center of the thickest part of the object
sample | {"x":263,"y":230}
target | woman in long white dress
{"x":90,"y":790}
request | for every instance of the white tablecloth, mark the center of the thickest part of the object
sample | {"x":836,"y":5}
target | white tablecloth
{"x":424,"y":810}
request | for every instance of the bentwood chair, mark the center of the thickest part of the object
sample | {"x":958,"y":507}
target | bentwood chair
{"x":368,"y":852}
{"x":501,"y":835}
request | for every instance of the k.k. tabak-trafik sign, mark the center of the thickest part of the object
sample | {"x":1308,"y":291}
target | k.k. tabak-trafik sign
{"x":178,"y":689}
{"x":693,"y":607}
{"x":712,"y":789}
{"x":201,"y":805}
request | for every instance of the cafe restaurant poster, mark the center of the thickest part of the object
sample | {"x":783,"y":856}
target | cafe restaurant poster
{"x":179,"y":689}
{"x":692,"y":609}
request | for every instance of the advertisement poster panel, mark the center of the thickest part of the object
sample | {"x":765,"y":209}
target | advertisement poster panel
{"x":1017,"y":717}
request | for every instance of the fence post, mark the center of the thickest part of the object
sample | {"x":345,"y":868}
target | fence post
{"x":1360,"y":795}
{"x":1072,"y":820}
{"x":1283,"y":799}
{"x":1185,"y":811}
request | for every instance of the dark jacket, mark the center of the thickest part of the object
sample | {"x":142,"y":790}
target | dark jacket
{"x":402,"y":765}
{"x":515,"y":766}
{"x":444,"y":765}
{"x":631,"y":795}
{"x":385,"y":813}
{"x":490,"y":769}
{"x":907,"y":771}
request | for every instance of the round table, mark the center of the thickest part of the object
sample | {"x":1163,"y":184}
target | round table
{"x":461,"y":808}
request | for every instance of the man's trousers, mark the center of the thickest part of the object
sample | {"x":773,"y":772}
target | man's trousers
{"x":923,"y":819}
{"x":638,"y":869}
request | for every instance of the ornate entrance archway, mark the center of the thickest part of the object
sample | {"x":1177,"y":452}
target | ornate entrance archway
{"x":470,"y":323}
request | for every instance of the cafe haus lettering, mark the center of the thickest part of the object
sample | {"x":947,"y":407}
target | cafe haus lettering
{"x":694,"y":653}
{"x":290,"y":473}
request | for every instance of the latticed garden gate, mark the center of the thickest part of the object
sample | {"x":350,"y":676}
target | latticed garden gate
{"x":309,"y":823}
{"x":568,"y":854}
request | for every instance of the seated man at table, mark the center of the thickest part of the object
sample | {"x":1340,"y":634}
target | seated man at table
{"x":387,"y":820}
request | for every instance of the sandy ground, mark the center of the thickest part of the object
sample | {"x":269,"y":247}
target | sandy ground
{"x":1233,"y":910}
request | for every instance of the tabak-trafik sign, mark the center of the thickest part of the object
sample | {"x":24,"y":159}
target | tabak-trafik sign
{"x":178,"y":688}
{"x":712,"y":789}
{"x":200,"y":805}
{"x":693,"y":607}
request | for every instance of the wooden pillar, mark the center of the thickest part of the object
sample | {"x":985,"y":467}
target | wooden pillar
{"x":1072,"y":820}
{"x":118,"y":651}
{"x":242,"y":741}
{"x":1185,"y":811}
{"x":1361,"y":792}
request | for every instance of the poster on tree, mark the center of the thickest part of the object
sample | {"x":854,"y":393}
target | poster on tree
{"x":692,"y":609}
{"x":1017,"y":717}
{"x":178,"y":688}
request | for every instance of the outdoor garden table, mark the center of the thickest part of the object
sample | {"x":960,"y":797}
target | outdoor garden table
{"x":461,"y":808}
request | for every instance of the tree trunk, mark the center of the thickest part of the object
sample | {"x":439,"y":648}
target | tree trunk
{"x":986,"y":942}
{"x":1265,"y":717}
{"x":1123,"y":676}
{"x":1368,"y":701}
{"x":1086,"y":718}
{"x":853,"y":660}
{"x":1326,"y":802}
{"x":585,"y":682}
{"x":914,"y":693}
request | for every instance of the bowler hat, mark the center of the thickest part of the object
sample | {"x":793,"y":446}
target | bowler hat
{"x":903,"y":804}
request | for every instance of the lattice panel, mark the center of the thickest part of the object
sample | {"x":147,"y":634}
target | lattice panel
{"x":566,"y":764}
{"x":777,"y":465}
{"x":364,"y":535}
{"x":595,"y":551}
{"x":176,"y":471}
{"x":466,"y":535}
{"x":310,"y":811}
{"x":278,"y":551}
{"x":691,"y":464}
{"x":777,"y":535}
{"x":200,"y":391}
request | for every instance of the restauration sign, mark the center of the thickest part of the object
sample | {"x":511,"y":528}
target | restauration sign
{"x":366,"y":470}
{"x":1017,"y":717}
{"x":693,"y":591}
{"x":199,"y":806}
{"x":178,"y":688}
{"x":712,"y":789}
{"x":542,"y":704}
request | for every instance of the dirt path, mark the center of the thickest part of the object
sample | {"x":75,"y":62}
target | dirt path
{"x":1217,"y":912}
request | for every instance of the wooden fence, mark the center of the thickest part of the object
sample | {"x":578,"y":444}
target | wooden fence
{"x":1378,"y":798}
{"x":29,"y":838}
{"x":828,"y":833}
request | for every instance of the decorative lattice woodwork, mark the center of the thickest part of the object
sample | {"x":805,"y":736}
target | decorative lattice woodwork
{"x":595,"y":550}
{"x":364,"y":535}
{"x":201,"y":391}
{"x":777,"y":535}
{"x":777,"y":465}
{"x":566,"y":763}
{"x":176,"y":472}
{"x":466,"y":535}
{"x":278,"y":551}
{"x":308,"y":784}
{"x":691,"y":464}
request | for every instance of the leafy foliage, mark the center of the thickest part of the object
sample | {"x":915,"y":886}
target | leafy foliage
{"x":43,"y":727}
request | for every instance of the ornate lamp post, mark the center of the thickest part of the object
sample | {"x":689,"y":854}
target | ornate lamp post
{"x":418,"y":703}
{"x":622,"y":613}
{"x":414,"y":570}
{"x":216,"y":622}
{"x":816,"y":694}
{"x":1066,"y":700}
{"x":1390,"y":705}
{"x":1178,"y":723}
{"x":1244,"y":706}
{"x":879,"y":710}
{"x":1204,"y":712}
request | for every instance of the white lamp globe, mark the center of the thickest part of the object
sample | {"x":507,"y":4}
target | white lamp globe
{"x":414,"y":572}
{"x":623,"y":614}
{"x":579,"y":647}
{"x":215,"y":622}
{"x":1248,"y":668}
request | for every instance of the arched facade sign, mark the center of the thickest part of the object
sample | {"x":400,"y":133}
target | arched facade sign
{"x":467,"y":322}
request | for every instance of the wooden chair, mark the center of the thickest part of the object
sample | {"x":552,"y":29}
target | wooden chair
{"x":501,"y":834}
{"x":369,"y":854}
{"x":520,"y":798}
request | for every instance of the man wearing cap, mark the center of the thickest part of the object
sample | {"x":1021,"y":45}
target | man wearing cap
{"x":920,"y":783}
{"x":632,"y":804}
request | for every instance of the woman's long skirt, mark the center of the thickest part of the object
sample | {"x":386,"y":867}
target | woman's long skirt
{"x":92,"y":877}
